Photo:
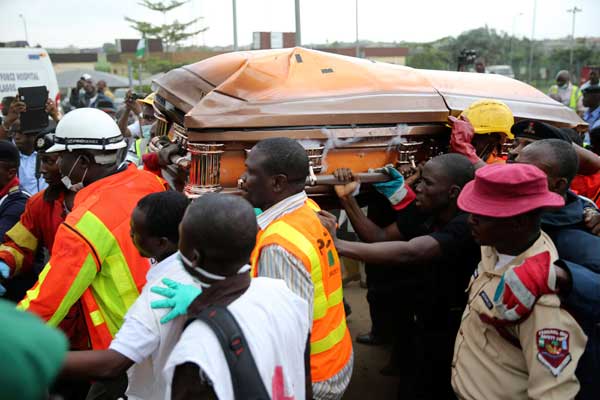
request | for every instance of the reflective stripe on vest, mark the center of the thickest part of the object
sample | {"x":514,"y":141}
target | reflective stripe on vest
{"x":99,"y":333}
{"x":331,"y":345}
{"x":115,"y":285}
{"x":23,"y":239}
{"x":321,"y":302}
{"x":575,"y":94}
{"x":573,"y":99}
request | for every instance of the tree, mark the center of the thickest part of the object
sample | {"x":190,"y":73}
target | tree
{"x":171,"y":34}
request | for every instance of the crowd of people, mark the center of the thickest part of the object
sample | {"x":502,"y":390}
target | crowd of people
{"x":482,"y":267}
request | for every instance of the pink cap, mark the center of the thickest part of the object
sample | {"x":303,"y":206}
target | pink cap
{"x":506,"y":190}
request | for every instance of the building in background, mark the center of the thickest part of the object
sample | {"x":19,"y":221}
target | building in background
{"x":392,"y":55}
{"x":273,"y":40}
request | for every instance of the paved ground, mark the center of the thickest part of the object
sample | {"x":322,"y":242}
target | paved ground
{"x":367,"y":382}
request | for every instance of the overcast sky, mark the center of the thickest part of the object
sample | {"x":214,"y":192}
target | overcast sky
{"x":85,"y":23}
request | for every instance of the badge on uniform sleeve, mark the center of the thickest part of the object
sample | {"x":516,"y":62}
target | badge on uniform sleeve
{"x":553,"y":349}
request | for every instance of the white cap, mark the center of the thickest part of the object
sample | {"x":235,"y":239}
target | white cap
{"x":87,"y":128}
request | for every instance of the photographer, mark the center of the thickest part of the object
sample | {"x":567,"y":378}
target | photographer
{"x":138,"y":133}
{"x":85,"y":94}
{"x":143,"y":110}
{"x":25,"y":142}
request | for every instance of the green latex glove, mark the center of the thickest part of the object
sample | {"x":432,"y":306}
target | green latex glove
{"x":257,"y":211}
{"x":179,"y":297}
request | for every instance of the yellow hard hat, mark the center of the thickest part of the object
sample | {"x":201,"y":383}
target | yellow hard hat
{"x":489,"y":116}
{"x":148,"y":99}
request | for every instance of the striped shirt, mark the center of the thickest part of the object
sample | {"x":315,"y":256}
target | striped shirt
{"x":276,"y":262}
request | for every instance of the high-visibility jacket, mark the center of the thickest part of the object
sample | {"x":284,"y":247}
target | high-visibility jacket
{"x":588,"y":186}
{"x":302,"y":234}
{"x":575,"y":95}
{"x":94,"y":259}
{"x":37,"y":228}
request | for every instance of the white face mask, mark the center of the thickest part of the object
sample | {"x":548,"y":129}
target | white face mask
{"x":188,"y":263}
{"x":66,"y":180}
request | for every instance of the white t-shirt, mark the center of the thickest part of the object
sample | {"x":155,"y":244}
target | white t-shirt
{"x":275,"y":324}
{"x":147,"y":342}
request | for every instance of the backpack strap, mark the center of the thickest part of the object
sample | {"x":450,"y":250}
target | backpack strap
{"x":245,"y":378}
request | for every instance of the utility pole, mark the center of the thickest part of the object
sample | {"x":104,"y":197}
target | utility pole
{"x":235,"y":42}
{"x":357,"y":46}
{"x":298,"y":29}
{"x":573,"y":11}
{"x":530,"y":69}
{"x":25,"y":28}
{"x":510,"y":47}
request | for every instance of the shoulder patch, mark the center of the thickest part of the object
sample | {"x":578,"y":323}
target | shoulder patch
{"x":553,"y":349}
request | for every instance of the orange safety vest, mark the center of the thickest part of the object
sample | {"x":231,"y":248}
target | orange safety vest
{"x":301,"y":233}
{"x":94,"y":258}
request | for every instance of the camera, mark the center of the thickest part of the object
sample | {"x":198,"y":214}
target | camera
{"x":467,"y":56}
{"x":137,"y":96}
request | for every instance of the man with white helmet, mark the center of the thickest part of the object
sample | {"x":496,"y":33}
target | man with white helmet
{"x":93,"y":258}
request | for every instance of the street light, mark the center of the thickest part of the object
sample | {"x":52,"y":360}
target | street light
{"x":357,"y":46}
{"x":573,"y":11}
{"x":25,"y":28}
{"x":298,"y":30}
{"x":530,"y":69}
{"x":235,"y":42}
{"x":510,"y":49}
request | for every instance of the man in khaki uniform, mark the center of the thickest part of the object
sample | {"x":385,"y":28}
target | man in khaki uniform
{"x":535,"y":355}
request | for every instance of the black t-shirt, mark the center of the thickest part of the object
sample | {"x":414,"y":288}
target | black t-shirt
{"x":445,"y":279}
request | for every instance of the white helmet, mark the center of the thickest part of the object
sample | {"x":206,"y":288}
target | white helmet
{"x":87,"y":128}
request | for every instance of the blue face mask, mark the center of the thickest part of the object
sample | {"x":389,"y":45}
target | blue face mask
{"x":146,"y":131}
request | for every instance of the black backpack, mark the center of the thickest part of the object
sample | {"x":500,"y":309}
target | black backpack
{"x":245,"y":378}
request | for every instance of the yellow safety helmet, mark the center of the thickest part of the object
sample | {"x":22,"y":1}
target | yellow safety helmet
{"x":148,"y":99}
{"x":489,"y":116}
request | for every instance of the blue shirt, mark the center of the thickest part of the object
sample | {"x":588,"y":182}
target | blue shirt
{"x":592,"y":118}
{"x":27,"y":178}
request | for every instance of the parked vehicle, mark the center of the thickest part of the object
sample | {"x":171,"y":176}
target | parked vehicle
{"x":505,"y":70}
{"x":25,"y":67}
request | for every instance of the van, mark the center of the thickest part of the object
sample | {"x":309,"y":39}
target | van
{"x":25,"y":67}
{"x":505,"y":70}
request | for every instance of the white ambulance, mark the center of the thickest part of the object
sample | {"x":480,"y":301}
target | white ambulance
{"x":25,"y":67}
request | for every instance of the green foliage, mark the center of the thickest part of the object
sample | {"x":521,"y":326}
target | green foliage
{"x":160,"y":6}
{"x":156,"y":65}
{"x":171,"y":34}
{"x":428,"y":57}
{"x":500,"y":48}
{"x":102,"y":66}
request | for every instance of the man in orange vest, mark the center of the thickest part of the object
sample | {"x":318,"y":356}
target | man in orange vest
{"x":93,"y":256}
{"x":293,"y":245}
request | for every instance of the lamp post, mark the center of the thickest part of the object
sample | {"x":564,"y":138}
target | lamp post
{"x":25,"y":28}
{"x":298,"y":29}
{"x":235,"y":42}
{"x":356,"y":42}
{"x":510,"y":48}
{"x":573,"y":11}
{"x":530,"y":68}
